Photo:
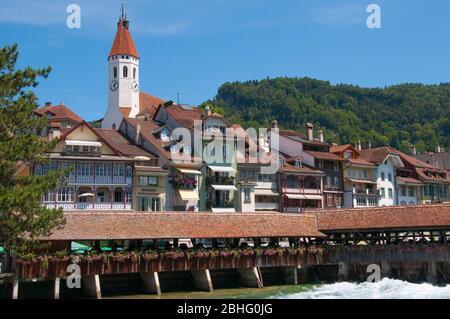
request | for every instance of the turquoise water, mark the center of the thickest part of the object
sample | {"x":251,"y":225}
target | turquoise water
{"x":385,"y":289}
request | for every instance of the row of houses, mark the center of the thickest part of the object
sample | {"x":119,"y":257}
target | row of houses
{"x":134,"y":167}
{"x":156,"y":155}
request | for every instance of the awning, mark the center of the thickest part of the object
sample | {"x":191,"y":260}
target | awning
{"x":189,"y":171}
{"x":266,"y":192}
{"x":223,"y":169}
{"x":78,"y":246}
{"x":188,"y":195}
{"x":223,"y":210}
{"x":361,"y":181}
{"x":86,"y":195}
{"x":316,"y":197}
{"x":295,"y":196}
{"x":83,"y":143}
{"x":224,"y":187}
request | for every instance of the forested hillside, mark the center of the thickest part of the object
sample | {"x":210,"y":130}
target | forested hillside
{"x":401,"y":115}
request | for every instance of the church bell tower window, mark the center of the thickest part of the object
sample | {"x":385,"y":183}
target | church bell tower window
{"x":125,"y":72}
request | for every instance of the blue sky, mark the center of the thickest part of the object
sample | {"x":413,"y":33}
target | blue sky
{"x":193,"y":46}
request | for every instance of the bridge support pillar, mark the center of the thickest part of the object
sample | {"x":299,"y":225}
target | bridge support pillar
{"x":386,"y":269}
{"x":250,"y":277}
{"x":432,"y":272}
{"x":91,"y":286}
{"x":344,"y":271}
{"x":150,"y":283}
{"x":56,"y":287}
{"x":202,"y":280}
{"x":290,"y":275}
{"x":15,"y":288}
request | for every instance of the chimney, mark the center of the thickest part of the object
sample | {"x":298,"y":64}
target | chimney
{"x":48,"y":103}
{"x":137,"y":133}
{"x":414,"y":150}
{"x":207,"y":111}
{"x":320,"y":136}
{"x":274,"y":124}
{"x":438,"y":149}
{"x":358,"y":146}
{"x":309,"y":129}
{"x":61,"y":103}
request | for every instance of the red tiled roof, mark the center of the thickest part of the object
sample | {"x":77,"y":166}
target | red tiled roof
{"x":58,"y":112}
{"x":407,"y":180}
{"x":325,"y":156}
{"x":292,"y":133}
{"x":421,"y":172}
{"x":388,"y":217}
{"x":289,"y":168}
{"x":359,"y":161}
{"x":123,"y":42}
{"x":341,"y":148}
{"x":147,"y":127}
{"x":125,"y":110}
{"x":407,"y":158}
{"x":184,"y":116}
{"x":121,"y":144}
{"x":139,"y":225}
{"x":148,"y":103}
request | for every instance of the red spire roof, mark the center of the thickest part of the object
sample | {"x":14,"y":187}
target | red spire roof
{"x":123,"y":42}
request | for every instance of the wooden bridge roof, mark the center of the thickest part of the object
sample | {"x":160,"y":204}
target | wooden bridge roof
{"x":388,"y":218}
{"x":163,"y":225}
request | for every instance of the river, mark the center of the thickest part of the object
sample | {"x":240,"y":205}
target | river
{"x":385,"y":289}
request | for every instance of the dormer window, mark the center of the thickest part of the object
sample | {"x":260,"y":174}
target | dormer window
{"x":125,"y":72}
{"x":298,"y":163}
{"x":82,"y":148}
{"x":348,"y":154}
{"x":165,"y":135}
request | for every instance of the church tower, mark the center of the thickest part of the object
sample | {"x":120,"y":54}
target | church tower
{"x":123,"y":79}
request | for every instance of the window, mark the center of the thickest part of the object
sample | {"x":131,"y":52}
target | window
{"x":65,"y":194}
{"x":328,"y":181}
{"x":103,"y":170}
{"x":143,"y":180}
{"x":119,"y":170}
{"x":382,"y":192}
{"x":336,"y":181}
{"x":115,"y":72}
{"x":101,"y":197}
{"x":411,"y":192}
{"x":156,"y":204}
{"x":153,"y":180}
{"x":383,"y":176}
{"x":372,"y":201}
{"x":298,"y":163}
{"x":125,"y":72}
{"x":348,"y":154}
{"x":85,"y":169}
{"x":118,"y":196}
{"x":403,"y":190}
{"x":336,"y":166}
{"x":49,"y":197}
{"x":390,"y":192}
{"x":329,"y":200}
{"x":320,"y":163}
{"x":365,"y":174}
{"x":247,"y":198}
{"x":390,"y":177}
{"x":134,"y":73}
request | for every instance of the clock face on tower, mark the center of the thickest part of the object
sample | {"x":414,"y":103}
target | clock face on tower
{"x":134,"y":86}
{"x":114,"y":85}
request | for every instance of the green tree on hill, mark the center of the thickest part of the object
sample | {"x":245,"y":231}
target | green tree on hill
{"x":400,"y":116}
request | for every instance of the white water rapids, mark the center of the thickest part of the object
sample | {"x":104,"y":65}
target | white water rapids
{"x":385,"y":289}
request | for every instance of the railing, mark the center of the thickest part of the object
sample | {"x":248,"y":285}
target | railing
{"x":90,"y":206}
{"x":102,"y":180}
{"x":172,"y":261}
{"x":264,"y":206}
{"x":303,"y":191}
{"x":220,"y":180}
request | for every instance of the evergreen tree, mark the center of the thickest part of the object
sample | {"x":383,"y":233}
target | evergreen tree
{"x":23,"y":219}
